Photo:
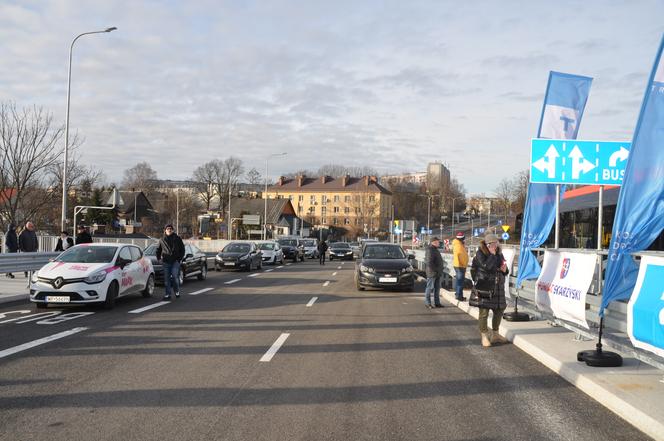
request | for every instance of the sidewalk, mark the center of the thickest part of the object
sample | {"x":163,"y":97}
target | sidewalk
{"x":633,"y":391}
{"x":15,"y":289}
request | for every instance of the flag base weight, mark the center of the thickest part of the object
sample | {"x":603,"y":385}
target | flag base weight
{"x":600,"y":358}
{"x":516,"y":316}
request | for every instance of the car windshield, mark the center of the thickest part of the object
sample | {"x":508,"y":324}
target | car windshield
{"x":266,"y":246}
{"x":288,"y":242}
{"x":237,"y":248}
{"x":383,"y":252}
{"x":340,"y":246}
{"x":308,"y":243}
{"x":354,"y":244}
{"x":151,"y":250}
{"x":88,"y":254}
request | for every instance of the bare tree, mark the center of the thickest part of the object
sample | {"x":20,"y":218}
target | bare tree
{"x":341,"y":170}
{"x":228,"y":173}
{"x":505,"y":194}
{"x":205,"y":176}
{"x":520,"y":188}
{"x":139,"y":177}
{"x":253,"y":176}
{"x":28,"y":146}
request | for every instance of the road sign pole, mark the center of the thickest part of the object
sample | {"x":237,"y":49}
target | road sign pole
{"x":557,"y":227}
{"x":600,"y":215}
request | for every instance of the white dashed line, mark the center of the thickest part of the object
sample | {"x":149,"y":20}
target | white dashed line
{"x":146,"y":308}
{"x":40,"y":341}
{"x":274,"y":348}
{"x":288,"y":264}
{"x":312,"y":301}
{"x":338,"y":267}
{"x":200,"y":291}
{"x":280,"y":266}
{"x":334,"y":273}
{"x":232,"y":281}
{"x":254,"y":274}
{"x":327,"y":282}
{"x":271,"y":269}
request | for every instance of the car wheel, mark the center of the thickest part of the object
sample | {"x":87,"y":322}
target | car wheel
{"x":149,"y":287}
{"x":111,"y":295}
{"x":203,"y":274}
{"x":41,"y":305}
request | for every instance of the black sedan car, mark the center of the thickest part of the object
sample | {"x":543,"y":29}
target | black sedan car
{"x":384,"y":265}
{"x":341,"y":251}
{"x":239,"y":255}
{"x":194,"y":263}
{"x":293,"y":248}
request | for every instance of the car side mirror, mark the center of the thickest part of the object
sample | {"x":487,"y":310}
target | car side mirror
{"x":122,"y":262}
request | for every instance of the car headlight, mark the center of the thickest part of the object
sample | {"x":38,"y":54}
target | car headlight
{"x":97,"y":277}
{"x":35,"y":277}
{"x":366,"y":269}
{"x":408,"y":269}
{"x":349,"y":252}
{"x":218,"y":257}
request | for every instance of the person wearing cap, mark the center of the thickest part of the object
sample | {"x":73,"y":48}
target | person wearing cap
{"x":82,"y":235}
{"x":488,"y":272}
{"x":460,"y":264}
{"x":171,"y":251}
{"x":434,"y":269}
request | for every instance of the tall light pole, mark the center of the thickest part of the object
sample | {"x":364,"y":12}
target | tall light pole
{"x":273,"y":155}
{"x":64,"y":164}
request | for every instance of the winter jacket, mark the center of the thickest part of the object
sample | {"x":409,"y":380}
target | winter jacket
{"x":83,"y":237}
{"x":59,"y":246}
{"x":435,"y":265}
{"x":11,"y":240}
{"x":460,"y":254}
{"x":485,"y":272}
{"x":27,"y":241}
{"x":322,"y":247}
{"x":170,"y":249}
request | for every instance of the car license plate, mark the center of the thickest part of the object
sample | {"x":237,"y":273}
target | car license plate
{"x":58,"y":299}
{"x":229,"y":263}
{"x":387,"y":279}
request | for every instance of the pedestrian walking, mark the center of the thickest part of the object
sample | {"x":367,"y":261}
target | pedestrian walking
{"x":11,"y":243}
{"x":64,"y":242}
{"x":82,"y":235}
{"x":171,"y":251}
{"x":322,"y":249}
{"x":434,"y":269}
{"x":488,"y":272}
{"x":27,"y":240}
{"x":460,"y":264}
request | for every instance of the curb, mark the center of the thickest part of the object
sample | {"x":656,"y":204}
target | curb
{"x":13,"y":298}
{"x":609,"y":387}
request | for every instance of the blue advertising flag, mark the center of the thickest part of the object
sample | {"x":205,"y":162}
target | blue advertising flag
{"x":564,"y":102}
{"x":639,"y":217}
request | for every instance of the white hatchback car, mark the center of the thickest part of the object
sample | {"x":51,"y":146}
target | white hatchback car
{"x":91,"y":273}
{"x":272,"y":252}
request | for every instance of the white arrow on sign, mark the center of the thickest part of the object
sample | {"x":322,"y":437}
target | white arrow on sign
{"x":550,"y":166}
{"x":579,"y":163}
{"x":620,"y":155}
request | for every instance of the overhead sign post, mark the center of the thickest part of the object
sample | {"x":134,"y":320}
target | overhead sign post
{"x":564,"y":161}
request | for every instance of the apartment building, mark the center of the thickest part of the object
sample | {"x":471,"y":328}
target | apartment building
{"x":358,"y":204}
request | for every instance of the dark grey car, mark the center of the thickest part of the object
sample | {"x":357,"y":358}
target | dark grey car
{"x":239,"y":255}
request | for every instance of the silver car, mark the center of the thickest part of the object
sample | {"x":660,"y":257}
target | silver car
{"x":310,"y":248}
{"x":272,"y":252}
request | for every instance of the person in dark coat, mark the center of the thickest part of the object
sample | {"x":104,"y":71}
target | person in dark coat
{"x":27,"y":240}
{"x":171,"y":251}
{"x":82,"y":235}
{"x":435,"y":266}
{"x":488,"y":272}
{"x":11,"y":243}
{"x":322,"y":249}
{"x":64,"y":242}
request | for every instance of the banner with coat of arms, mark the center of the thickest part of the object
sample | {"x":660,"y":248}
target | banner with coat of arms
{"x":563,"y":284}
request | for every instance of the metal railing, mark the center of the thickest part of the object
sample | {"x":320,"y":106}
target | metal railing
{"x":19,"y":262}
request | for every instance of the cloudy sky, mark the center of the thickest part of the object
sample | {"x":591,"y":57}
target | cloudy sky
{"x":387,"y":84}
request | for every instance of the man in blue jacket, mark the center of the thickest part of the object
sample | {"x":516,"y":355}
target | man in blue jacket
{"x":171,"y":251}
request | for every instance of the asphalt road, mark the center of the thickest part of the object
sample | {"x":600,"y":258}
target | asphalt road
{"x":369,"y":365}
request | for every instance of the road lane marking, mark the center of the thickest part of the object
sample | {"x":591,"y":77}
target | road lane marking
{"x":232,"y":281}
{"x":254,"y":274}
{"x":267,"y":271}
{"x":280,"y":266}
{"x":288,"y":264}
{"x":338,"y":267}
{"x":146,"y":308}
{"x":327,"y":282}
{"x":334,"y":273}
{"x":274,"y":348}
{"x":312,"y":301}
{"x":200,"y":291}
{"x":40,"y":341}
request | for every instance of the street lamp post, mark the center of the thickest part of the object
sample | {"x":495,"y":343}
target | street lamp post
{"x":265,"y":195}
{"x":64,"y":165}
